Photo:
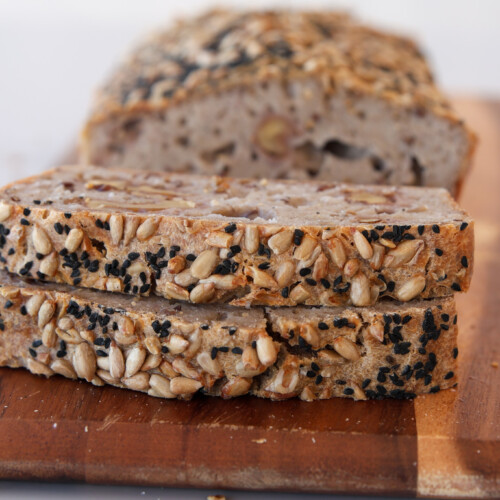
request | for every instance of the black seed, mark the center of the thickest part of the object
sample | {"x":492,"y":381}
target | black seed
{"x":25,"y":222}
{"x":23,"y":310}
{"x":254,"y":344}
{"x":322,"y":326}
{"x":99,"y":224}
{"x":381,"y":377}
{"x":232,"y":330}
{"x":438,"y":251}
{"x":133,"y":255}
{"x":449,"y":375}
{"x":325,"y":283}
{"x":463,"y":226}
{"x":264,"y":265}
{"x":297,"y":237}
{"x":311,"y":282}
{"x":310,"y":374}
{"x":101,"y":353}
{"x":319,"y":379}
{"x":421,"y":230}
{"x":61,"y":354}
{"x":223,"y":349}
{"x":190,"y":257}
{"x":340,"y":382}
{"x":434,"y":389}
{"x":205,"y":327}
{"x":235,"y":249}
{"x":406,"y":319}
{"x":285,"y":292}
{"x":390,"y":286}
{"x":37,"y":202}
{"x":305,"y":271}
{"x":366,"y":383}
{"x":8,"y":304}
{"x":231,"y":228}
{"x":422,"y":350}
{"x":435,"y":228}
{"x":32,"y":352}
{"x":456,"y":287}
{"x":213,"y":352}
{"x":381,"y":390}
{"x":402,"y":348}
{"x":315,"y":366}
{"x":455,"y":353}
{"x":144,"y":288}
{"x":464,"y":261}
{"x":427,"y":379}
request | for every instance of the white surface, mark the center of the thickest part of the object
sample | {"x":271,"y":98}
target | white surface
{"x":53,"y":52}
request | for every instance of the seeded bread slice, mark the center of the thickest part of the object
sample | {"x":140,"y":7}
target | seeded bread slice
{"x":210,"y":239}
{"x":174,"y":350}
{"x":281,"y":95}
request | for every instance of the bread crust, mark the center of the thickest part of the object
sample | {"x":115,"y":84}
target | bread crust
{"x":174,"y":350}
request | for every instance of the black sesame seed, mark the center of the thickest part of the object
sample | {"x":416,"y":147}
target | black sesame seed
{"x":99,"y":224}
{"x":319,"y":379}
{"x":340,"y":382}
{"x":456,"y":287}
{"x":348,"y":391}
{"x":133,"y":255}
{"x":205,"y":327}
{"x":427,"y":379}
{"x":264,"y":265}
{"x":402,"y":348}
{"x":463,"y":226}
{"x":449,"y":375}
{"x":435,"y":389}
{"x":37,"y":202}
{"x":164,"y":349}
{"x":101,"y":353}
{"x":11,"y":251}
{"x":213,"y":352}
{"x":381,"y":390}
{"x":365,"y":383}
{"x":305,"y":271}
{"x":235,"y":249}
{"x":23,"y":310}
{"x":455,"y":353}
{"x":25,"y":222}
{"x":32,"y":352}
{"x":8,"y":304}
{"x":422,"y":350}
{"x":390,"y":286}
{"x":190,"y":257}
{"x":311,"y":282}
{"x":381,"y":377}
{"x":67,"y":215}
{"x":421,"y":230}
{"x":406,"y":319}
{"x":438,"y":251}
{"x":325,"y":283}
{"x":322,"y":326}
{"x":464,"y":261}
{"x":285,"y":292}
{"x":231,"y":228}
{"x":254,"y":344}
{"x":297,"y":237}
{"x":232,"y":330}
{"x":224,"y":349}
{"x":61,"y":353}
{"x":237,"y":350}
{"x":311,"y":374}
{"x":435,"y":228}
{"x":315,"y":366}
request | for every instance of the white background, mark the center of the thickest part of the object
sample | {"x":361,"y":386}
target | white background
{"x":54,"y":52}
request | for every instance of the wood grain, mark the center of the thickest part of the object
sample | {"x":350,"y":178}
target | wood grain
{"x":445,"y":445}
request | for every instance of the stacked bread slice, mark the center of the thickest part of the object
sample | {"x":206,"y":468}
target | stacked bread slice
{"x":174,"y":284}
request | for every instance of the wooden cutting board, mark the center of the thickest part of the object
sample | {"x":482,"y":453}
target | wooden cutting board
{"x":445,"y":445}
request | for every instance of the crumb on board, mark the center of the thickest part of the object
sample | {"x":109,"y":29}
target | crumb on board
{"x":216,"y":497}
{"x":494,"y":364}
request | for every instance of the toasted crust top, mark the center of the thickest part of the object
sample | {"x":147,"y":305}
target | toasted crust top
{"x":221,"y":50}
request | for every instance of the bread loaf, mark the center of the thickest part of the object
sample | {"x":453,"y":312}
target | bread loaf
{"x":279,"y":95}
{"x":171,"y":350}
{"x":211,"y":239}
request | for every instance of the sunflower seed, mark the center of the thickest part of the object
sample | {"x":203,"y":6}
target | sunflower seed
{"x":266,"y":352}
{"x":330,"y":357}
{"x":285,"y":381}
{"x":5,"y":211}
{"x":346,"y":348}
{"x":225,"y":282}
{"x":65,"y":323}
{"x":320,"y":269}
{"x":360,"y":290}
{"x":152,"y":361}
{"x":209,"y":365}
{"x":137,"y":382}
{"x":261,"y":278}
{"x":378,"y":257}
{"x":194,"y":345}
{"x":250,"y":359}
{"x":84,"y":361}
{"x":281,"y":241}
{"x":63,"y":367}
{"x":204,"y":264}
{"x":116,"y":228}
{"x":116,"y":361}
{"x":284,"y":273}
{"x":173,"y":291}
{"x":183,"y":385}
{"x":125,"y":333}
{"x":107,"y":377}
{"x":185,"y":278}
{"x":45,"y":313}
{"x":131,"y":225}
{"x":70,"y":336}
{"x":177,"y":344}
{"x":237,"y":386}
{"x":299,"y":294}
{"x":376,"y":330}
{"x":220,"y":239}
{"x":176,"y":264}
{"x":387,"y":243}
{"x":49,"y":336}
{"x":351,"y":268}
{"x":410,"y":289}
{"x":161,"y":385}
{"x":184,"y":368}
{"x":202,"y":293}
{"x":307,"y":394}
{"x":34,"y":303}
{"x":310,"y":335}
{"x":153,"y":345}
{"x":363,"y":246}
{"x":97,"y":381}
{"x":305,"y":249}
{"x":41,"y":241}
{"x":337,"y":252}
{"x":167,"y":369}
{"x":135,"y":359}
{"x":113,"y":285}
{"x":73,"y":240}
{"x":403,"y":253}
{"x":251,"y":239}
{"x":146,"y":229}
{"x":359,"y":394}
{"x":49,"y":264}
{"x":39,"y":368}
{"x":103,"y":363}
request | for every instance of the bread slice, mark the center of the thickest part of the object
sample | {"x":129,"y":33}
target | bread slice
{"x":280,"y":95}
{"x":209,"y":239}
{"x":173,"y":350}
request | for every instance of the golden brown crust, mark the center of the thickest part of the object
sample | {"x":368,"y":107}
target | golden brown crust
{"x":143,"y":233}
{"x":397,"y":350}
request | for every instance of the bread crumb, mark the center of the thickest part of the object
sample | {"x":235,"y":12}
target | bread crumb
{"x":216,"y":497}
{"x":494,"y":364}
{"x":259,"y":441}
